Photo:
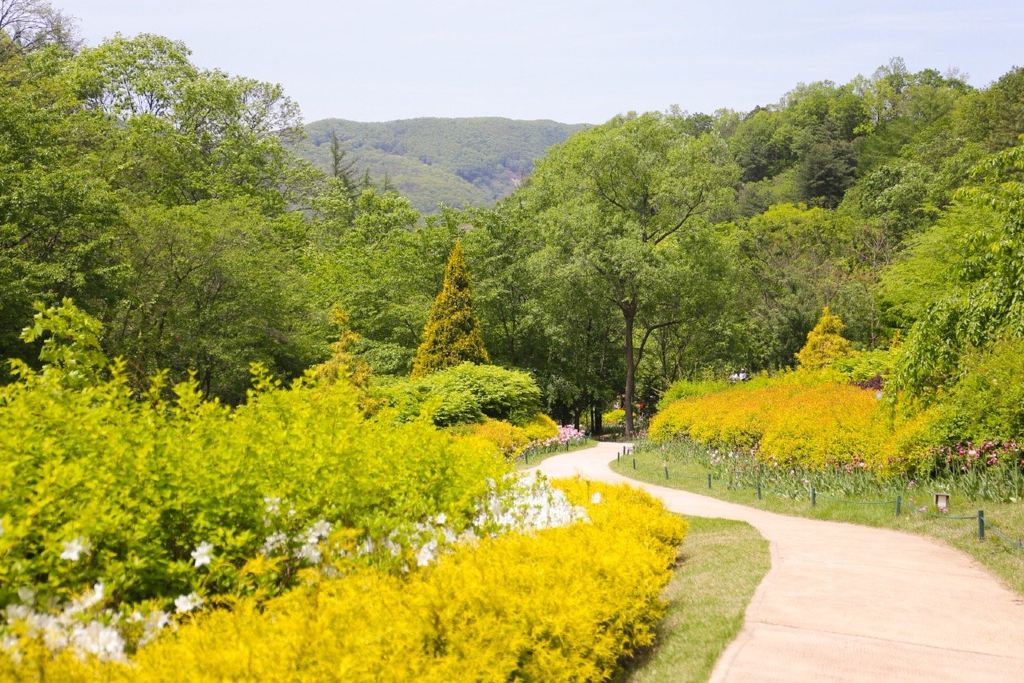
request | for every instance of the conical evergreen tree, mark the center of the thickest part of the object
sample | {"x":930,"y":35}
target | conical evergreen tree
{"x":825,"y":343}
{"x":452,"y":333}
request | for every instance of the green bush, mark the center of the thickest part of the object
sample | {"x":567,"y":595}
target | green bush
{"x":466,"y":394}
{"x":987,"y":403}
{"x":863,"y":366}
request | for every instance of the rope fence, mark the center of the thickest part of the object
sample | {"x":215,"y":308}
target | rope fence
{"x":534,"y":451}
{"x":895,"y":503}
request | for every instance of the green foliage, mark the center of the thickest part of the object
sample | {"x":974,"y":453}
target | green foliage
{"x":619,"y":203}
{"x":155,"y":194}
{"x":452,"y":333}
{"x":864,"y":366}
{"x":467,"y":393}
{"x":987,"y":401}
{"x":141,"y":484}
{"x":825,"y":343}
{"x":981,"y":302}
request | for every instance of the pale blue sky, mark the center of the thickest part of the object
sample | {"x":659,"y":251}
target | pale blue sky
{"x":568,"y":60}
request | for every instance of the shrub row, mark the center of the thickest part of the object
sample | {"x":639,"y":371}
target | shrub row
{"x":813,"y":420}
{"x":558,"y":605}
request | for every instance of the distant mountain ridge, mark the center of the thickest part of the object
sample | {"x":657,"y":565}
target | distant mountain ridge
{"x":454,"y":161}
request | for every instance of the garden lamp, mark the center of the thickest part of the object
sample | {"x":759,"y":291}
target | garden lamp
{"x":942,"y":502}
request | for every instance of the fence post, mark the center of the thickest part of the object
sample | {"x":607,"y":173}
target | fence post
{"x":814,"y":496}
{"x":899,"y":504}
{"x":666,"y":471}
{"x":709,"y":480}
{"x":981,"y":525}
{"x":527,"y":454}
{"x":759,"y":489}
{"x":634,"y":462}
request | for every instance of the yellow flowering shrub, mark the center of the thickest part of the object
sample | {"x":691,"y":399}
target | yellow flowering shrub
{"x":508,"y":438}
{"x":512,"y":439}
{"x":540,"y":428}
{"x":807,"y":419}
{"x":613,"y":419}
{"x":561,"y":604}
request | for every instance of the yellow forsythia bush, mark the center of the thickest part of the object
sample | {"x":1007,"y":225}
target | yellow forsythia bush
{"x":540,"y":428}
{"x":807,"y":419}
{"x":561,"y":604}
{"x":511,"y":439}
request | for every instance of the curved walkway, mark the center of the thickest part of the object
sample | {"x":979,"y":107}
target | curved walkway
{"x":844,"y":602}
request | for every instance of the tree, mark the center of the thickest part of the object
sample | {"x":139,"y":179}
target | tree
{"x":614,"y":201}
{"x":342,"y":169}
{"x":28,"y":25}
{"x":825,"y":343}
{"x":452,"y":333}
{"x":980,"y":298}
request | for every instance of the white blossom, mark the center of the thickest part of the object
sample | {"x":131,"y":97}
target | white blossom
{"x":86,"y":601}
{"x":309,"y":552}
{"x":271,"y":504}
{"x":427,"y":554}
{"x":74,"y":549}
{"x":596,"y":498}
{"x":96,"y":639}
{"x":274,"y":541}
{"x":201,"y":555}
{"x":187,"y":603}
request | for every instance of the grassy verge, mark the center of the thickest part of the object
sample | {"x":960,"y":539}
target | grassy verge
{"x":1002,"y":558}
{"x":721,"y":565}
{"x":538,"y":457}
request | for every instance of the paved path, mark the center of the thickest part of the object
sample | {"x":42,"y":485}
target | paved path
{"x":844,"y":602}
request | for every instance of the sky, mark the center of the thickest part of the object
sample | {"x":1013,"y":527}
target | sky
{"x":576,"y":61}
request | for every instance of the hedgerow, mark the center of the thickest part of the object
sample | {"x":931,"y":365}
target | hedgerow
{"x":812,"y":420}
{"x":560,"y":604}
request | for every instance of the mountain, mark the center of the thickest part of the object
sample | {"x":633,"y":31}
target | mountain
{"x":457,"y":162}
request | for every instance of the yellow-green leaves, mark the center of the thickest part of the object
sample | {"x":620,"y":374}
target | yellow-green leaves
{"x":452,"y":333}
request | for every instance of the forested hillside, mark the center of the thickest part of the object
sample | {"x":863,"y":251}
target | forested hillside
{"x":432,"y":161}
{"x":164,"y":200}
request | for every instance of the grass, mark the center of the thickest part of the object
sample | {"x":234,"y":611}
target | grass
{"x":537,"y":457}
{"x":721,"y":565}
{"x":1004,"y":559}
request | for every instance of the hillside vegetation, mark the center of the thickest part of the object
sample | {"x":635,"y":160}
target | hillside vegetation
{"x":456,"y":162}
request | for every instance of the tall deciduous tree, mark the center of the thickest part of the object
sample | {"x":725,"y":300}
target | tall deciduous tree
{"x":452,"y":333}
{"x":615,"y":201}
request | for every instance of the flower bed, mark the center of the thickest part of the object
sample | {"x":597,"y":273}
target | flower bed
{"x":812,"y":420}
{"x":493,"y":609}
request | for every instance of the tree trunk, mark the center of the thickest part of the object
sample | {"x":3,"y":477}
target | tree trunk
{"x":627,"y":402}
{"x":595,"y":424}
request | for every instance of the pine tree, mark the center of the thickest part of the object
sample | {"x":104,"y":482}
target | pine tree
{"x":825,"y":343}
{"x":343,"y":168}
{"x":452,"y":333}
